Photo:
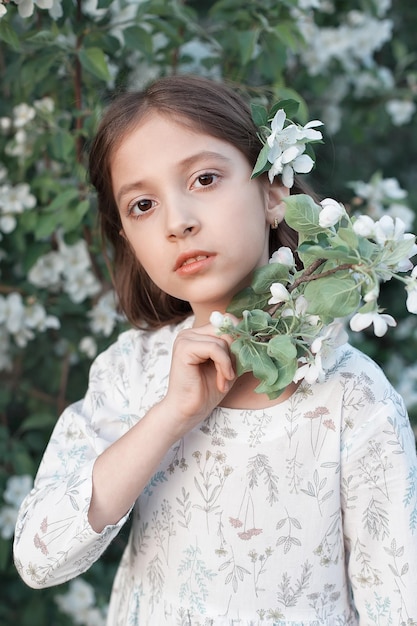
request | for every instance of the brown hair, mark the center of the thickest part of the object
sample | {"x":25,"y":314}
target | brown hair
{"x":209,"y":106}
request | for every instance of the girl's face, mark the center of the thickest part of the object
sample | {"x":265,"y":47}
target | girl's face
{"x":196,"y":222}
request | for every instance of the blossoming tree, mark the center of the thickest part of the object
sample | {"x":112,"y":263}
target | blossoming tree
{"x":349,"y":64}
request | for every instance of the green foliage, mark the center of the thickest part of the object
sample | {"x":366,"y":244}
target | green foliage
{"x":65,"y":69}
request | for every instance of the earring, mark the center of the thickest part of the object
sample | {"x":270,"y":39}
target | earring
{"x":275,"y":223}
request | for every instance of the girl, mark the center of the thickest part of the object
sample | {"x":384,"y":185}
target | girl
{"x":246,"y":510}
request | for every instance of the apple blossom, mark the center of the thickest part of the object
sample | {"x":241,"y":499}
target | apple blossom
{"x":279,"y":294}
{"x":364,"y":226}
{"x":380,"y":321}
{"x":284,"y":256}
{"x":331,"y":213}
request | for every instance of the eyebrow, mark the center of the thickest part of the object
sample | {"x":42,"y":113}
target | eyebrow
{"x":182,"y":165}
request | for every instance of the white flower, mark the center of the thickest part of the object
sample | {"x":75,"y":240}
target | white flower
{"x":284,"y":256}
{"x":411,"y":302}
{"x":380,"y":321}
{"x":17,"y":489}
{"x":79,"y":597}
{"x":331,"y":213}
{"x":88,"y":346}
{"x":3,"y":10}
{"x":5,"y":124}
{"x":44,"y":105}
{"x":8,"y":517}
{"x":217,"y":319}
{"x":279,"y":294}
{"x":104,"y":315}
{"x":47,"y":270}
{"x":22,"y":115}
{"x":400,"y":111}
{"x":310,"y":372}
{"x":26,"y":7}
{"x":287,"y":146}
{"x":364,"y":226}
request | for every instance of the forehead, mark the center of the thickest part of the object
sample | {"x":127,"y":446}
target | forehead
{"x":160,"y":138}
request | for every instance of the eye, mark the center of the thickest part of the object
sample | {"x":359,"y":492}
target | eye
{"x":140,"y":207}
{"x":206,"y":179}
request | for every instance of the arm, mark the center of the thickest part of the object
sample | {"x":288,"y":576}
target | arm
{"x":92,"y":472}
{"x":201,"y":374}
{"x":379,"y":484}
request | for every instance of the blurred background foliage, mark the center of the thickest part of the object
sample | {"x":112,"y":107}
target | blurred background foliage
{"x":352,"y":64}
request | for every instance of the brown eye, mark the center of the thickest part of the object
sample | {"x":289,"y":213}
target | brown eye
{"x":206,"y":179}
{"x":141,"y":206}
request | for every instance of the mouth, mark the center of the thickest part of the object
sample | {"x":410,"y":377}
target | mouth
{"x":192,"y":260}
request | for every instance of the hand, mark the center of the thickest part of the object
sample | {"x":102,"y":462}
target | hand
{"x":201,"y":375}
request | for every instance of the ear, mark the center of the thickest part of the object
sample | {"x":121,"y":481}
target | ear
{"x":275,"y":208}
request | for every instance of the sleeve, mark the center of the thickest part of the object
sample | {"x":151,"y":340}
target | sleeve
{"x":379,"y":495}
{"x":54,"y":541}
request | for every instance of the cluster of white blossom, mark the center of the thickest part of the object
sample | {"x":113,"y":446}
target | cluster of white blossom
{"x":13,"y":201}
{"x":20,"y":319}
{"x":17,"y":488}
{"x":22,"y":127}
{"x":26,"y":7}
{"x":69,"y":269}
{"x":103,"y":317}
{"x":383,"y":196}
{"x":80,"y":604}
{"x":352,"y":45}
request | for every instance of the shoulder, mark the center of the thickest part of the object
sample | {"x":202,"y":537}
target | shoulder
{"x":350,"y":363}
{"x":135,"y":344}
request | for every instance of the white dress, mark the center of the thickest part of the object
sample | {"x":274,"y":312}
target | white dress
{"x":300,"y":514}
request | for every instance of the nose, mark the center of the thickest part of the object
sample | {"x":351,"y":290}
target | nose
{"x":181,"y":218}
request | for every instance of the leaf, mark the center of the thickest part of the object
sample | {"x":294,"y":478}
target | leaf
{"x":262,"y":163}
{"x":289,"y":105}
{"x":332,"y":296}
{"x":137,"y":38}
{"x":38,"y":421}
{"x":245,"y":300}
{"x":62,"y":145}
{"x":302,"y":214}
{"x":338,"y":253}
{"x":8,"y":35}
{"x":253,"y":357}
{"x":259,"y":115}
{"x":247,"y":41}
{"x":94,"y":61}
{"x":264,"y":276}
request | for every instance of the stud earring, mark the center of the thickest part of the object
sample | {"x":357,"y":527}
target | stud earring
{"x":275,"y":223}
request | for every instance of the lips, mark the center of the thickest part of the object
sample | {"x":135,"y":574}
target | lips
{"x":194,"y":257}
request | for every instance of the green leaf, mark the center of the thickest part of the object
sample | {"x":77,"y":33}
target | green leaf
{"x":104,"y":4}
{"x":247,"y":41}
{"x":94,"y":61}
{"x":332,"y":296}
{"x":282,"y":349}
{"x":341,"y":254}
{"x":8,"y":35}
{"x":38,"y":421}
{"x":262,"y":164}
{"x":256,"y":321}
{"x":264,"y":276}
{"x":62,"y":145}
{"x":137,"y":38}
{"x":63,"y":200}
{"x":289,"y":105}
{"x":259,"y":115}
{"x":253,"y":357}
{"x":246,"y":300}
{"x":302,"y":214}
{"x":348,"y":235}
{"x":398,"y":251}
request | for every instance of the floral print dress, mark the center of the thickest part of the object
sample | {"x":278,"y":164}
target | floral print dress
{"x":299,"y":514}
